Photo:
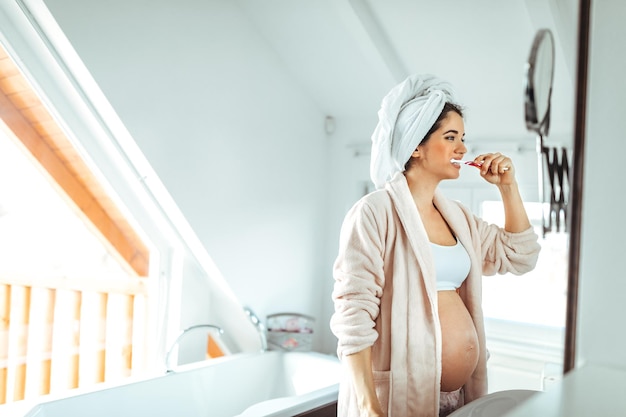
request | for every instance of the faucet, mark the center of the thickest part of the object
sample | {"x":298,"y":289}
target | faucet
{"x":168,"y":368}
{"x":258,"y":324}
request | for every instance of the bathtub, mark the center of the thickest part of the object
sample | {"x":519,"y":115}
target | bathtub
{"x":278,"y":384}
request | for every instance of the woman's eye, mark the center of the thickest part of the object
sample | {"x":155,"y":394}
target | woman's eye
{"x":453,"y":138}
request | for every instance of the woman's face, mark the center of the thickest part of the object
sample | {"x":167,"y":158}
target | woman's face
{"x":444,"y":144}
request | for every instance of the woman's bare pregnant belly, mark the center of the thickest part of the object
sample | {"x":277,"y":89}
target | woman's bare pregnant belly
{"x":459,"y":352}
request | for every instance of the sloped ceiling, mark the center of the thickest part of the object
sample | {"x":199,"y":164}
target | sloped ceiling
{"x":348,"y":53}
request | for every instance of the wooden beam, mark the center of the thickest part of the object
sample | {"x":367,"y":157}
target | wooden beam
{"x":127,"y":348}
{"x":74,"y":361}
{"x":102,"y":338}
{"x":46,"y":348}
{"x":22,"y":320}
{"x":30,"y":123}
{"x":5,"y":319}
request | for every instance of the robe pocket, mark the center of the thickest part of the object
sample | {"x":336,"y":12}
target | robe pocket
{"x":383,"y":387}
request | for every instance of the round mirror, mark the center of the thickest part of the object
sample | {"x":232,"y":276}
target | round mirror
{"x":540,"y":71}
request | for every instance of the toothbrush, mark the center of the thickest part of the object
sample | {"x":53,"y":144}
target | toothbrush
{"x":470,"y":163}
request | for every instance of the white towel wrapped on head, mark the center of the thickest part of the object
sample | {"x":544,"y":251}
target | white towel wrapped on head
{"x":407,"y":113}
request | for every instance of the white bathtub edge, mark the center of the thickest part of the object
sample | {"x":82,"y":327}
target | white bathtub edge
{"x":290,"y":406}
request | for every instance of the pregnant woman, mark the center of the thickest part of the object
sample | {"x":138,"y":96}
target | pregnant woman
{"x":407,"y":293}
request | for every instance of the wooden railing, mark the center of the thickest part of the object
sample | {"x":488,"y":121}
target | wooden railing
{"x":60,"y":333}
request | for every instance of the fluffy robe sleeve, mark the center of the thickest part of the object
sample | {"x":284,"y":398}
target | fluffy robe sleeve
{"x":504,"y":251}
{"x":359,"y":281}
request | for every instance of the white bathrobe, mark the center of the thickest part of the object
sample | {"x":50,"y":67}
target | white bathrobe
{"x":385,"y":295}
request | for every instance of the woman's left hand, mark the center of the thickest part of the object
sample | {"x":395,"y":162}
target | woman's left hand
{"x":496,"y":168}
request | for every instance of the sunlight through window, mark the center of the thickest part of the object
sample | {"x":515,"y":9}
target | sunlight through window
{"x":537,"y":297}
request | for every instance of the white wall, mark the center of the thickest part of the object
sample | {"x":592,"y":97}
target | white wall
{"x":602,"y":309}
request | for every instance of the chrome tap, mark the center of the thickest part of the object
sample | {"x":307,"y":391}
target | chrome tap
{"x":260,"y":327}
{"x":168,"y":368}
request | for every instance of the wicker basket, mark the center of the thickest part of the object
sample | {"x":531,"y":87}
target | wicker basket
{"x":290,"y":332}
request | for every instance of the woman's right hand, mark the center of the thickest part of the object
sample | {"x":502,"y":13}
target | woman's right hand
{"x":360,"y":368}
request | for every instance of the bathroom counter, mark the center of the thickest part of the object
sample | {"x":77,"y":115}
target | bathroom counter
{"x":584,"y":392}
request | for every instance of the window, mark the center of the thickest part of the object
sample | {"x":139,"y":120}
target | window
{"x":73,"y":271}
{"x":537,"y":297}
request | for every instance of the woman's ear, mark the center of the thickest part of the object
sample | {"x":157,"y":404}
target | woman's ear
{"x":415,"y":153}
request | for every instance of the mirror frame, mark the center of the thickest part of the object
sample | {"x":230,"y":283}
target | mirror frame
{"x":535,"y":122}
{"x":576,"y":191}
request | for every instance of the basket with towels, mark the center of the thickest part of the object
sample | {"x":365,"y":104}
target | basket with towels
{"x":289,"y":331}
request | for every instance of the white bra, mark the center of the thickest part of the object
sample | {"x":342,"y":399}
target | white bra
{"x":452,"y":265}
